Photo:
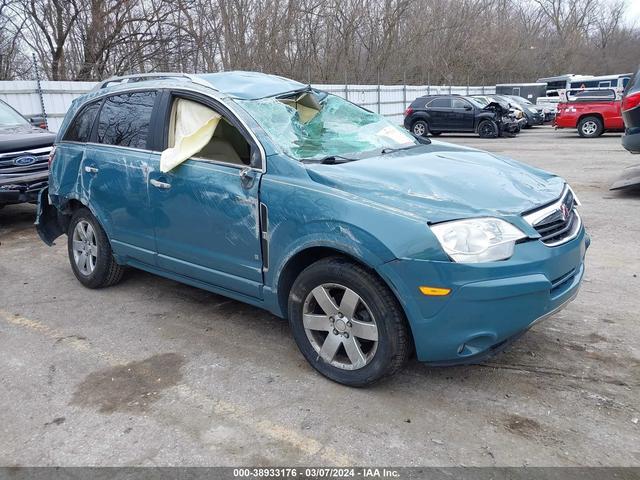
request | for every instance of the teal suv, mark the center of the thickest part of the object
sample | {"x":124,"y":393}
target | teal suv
{"x":374,"y":244}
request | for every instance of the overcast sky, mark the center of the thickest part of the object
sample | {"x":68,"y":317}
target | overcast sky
{"x":633,"y":12}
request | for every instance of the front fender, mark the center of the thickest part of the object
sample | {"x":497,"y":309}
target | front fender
{"x":339,"y":236}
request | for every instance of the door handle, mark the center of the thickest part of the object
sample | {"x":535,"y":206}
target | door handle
{"x":91,"y":169}
{"x":161,"y":185}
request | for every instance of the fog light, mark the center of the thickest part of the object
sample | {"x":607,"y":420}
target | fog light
{"x":434,"y":291}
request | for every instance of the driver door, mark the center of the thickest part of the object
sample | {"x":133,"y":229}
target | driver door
{"x":206,"y":210}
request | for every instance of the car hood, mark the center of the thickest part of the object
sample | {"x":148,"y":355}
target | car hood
{"x":13,"y":139}
{"x":500,"y":107}
{"x":440,"y":182}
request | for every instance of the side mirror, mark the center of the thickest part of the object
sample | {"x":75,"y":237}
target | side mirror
{"x":247,"y":177}
{"x":38,"y":121}
{"x":468,"y":107}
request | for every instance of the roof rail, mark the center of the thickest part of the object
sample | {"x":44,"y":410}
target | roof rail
{"x":140,"y":77}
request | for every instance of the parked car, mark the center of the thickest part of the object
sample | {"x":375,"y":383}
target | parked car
{"x":372,"y":243}
{"x":591,"y":112}
{"x":24,"y":154}
{"x":631,"y":115}
{"x":436,"y":114}
{"x":549,"y":106}
{"x":532,"y":113}
{"x":547,"y":113}
{"x":630,"y":177}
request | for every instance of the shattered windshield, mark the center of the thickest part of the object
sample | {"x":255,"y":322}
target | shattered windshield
{"x":307,"y":126}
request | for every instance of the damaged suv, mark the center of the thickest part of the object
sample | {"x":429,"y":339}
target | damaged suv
{"x":436,"y":114}
{"x":373,"y":243}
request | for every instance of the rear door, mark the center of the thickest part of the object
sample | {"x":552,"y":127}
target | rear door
{"x":206,"y":210}
{"x":115,"y":169}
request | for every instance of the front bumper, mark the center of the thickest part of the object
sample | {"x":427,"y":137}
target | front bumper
{"x":22,"y":189}
{"x":537,"y":119}
{"x":489,"y":303}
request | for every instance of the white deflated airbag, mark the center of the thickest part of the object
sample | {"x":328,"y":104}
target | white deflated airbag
{"x":191,"y":129}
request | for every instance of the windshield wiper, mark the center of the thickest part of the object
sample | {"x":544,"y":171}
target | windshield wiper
{"x":399,"y":149}
{"x":331,"y":160}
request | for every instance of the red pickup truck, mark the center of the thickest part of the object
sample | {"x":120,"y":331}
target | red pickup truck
{"x":592,"y":112}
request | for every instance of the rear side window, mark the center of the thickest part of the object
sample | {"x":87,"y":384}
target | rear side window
{"x":440,"y":103}
{"x":124,"y":119}
{"x":80,"y":128}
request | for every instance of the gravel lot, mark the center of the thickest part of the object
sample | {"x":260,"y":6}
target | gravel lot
{"x":151,"y":372}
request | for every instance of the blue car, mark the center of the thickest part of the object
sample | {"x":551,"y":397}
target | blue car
{"x":374,"y":244}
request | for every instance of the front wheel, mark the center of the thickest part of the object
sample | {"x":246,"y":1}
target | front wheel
{"x":488,"y":129}
{"x":90,"y":253}
{"x":590,"y":127}
{"x":347,"y":323}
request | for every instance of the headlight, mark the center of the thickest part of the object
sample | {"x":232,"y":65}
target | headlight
{"x":477,"y":240}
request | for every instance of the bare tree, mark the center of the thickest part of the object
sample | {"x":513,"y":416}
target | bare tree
{"x":330,"y":41}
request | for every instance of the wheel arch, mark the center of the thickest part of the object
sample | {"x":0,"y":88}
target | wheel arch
{"x":417,"y":116}
{"x":598,"y":115}
{"x":306,"y":257}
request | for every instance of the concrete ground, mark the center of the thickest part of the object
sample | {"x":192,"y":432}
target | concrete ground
{"x":151,"y":372}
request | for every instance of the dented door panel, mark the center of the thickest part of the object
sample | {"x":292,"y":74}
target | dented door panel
{"x":206,"y":224}
{"x":114,"y":184}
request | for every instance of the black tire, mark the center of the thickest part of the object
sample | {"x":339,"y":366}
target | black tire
{"x":420,"y":128}
{"x":488,"y":129}
{"x":394,"y":342}
{"x":106,"y":272}
{"x":590,"y":127}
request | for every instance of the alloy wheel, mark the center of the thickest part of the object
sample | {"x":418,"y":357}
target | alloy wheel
{"x":589,"y":127}
{"x":340,"y":326}
{"x":419,"y":129}
{"x":85,"y":248}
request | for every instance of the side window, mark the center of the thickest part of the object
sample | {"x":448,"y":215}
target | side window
{"x":226,"y":144}
{"x":459,"y":103}
{"x":124,"y":119}
{"x":80,"y":128}
{"x":440,"y":103}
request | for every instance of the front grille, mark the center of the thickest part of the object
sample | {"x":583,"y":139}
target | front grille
{"x":27,"y":162}
{"x":556,"y":223}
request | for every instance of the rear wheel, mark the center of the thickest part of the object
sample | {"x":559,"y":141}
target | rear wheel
{"x":347,"y":323}
{"x":90,"y":253}
{"x":420,"y":128}
{"x":590,"y":127}
{"x":488,"y":129}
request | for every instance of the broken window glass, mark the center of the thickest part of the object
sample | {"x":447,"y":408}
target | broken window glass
{"x":307,"y":127}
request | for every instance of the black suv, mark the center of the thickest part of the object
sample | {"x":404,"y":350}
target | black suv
{"x":631,"y":115}
{"x":24,"y":157}
{"x":436,"y":114}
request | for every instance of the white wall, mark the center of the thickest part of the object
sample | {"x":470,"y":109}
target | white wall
{"x":57,"y":96}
